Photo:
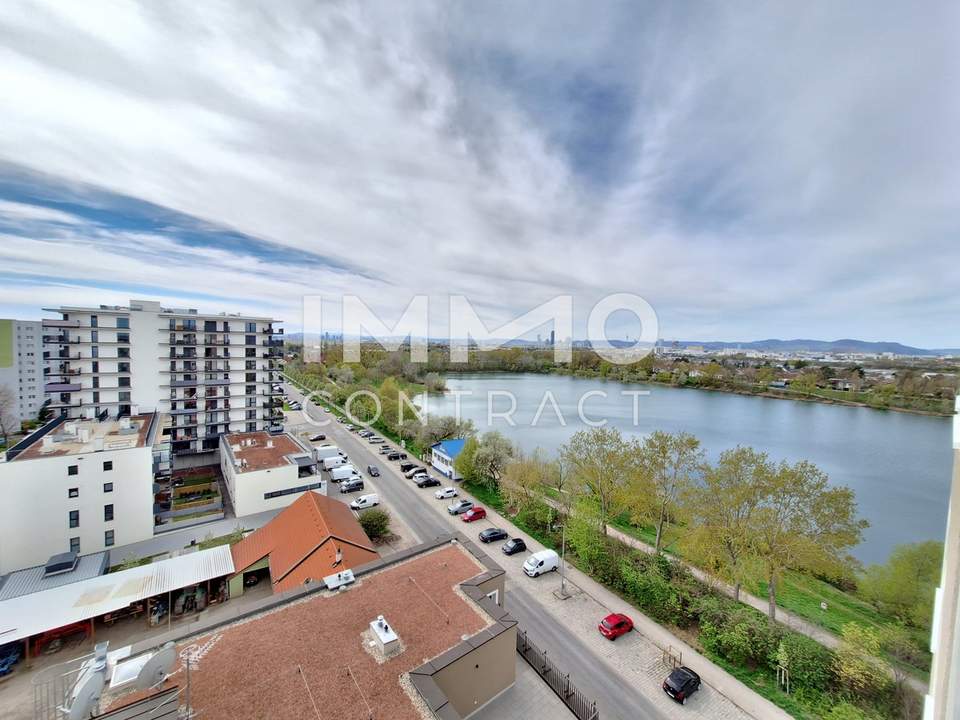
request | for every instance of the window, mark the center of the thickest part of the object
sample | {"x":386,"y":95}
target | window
{"x":123,"y":323}
{"x":96,"y":395}
{"x":94,"y":351}
{"x":93,"y":321}
{"x":251,"y":327}
{"x":96,"y":366}
{"x":94,"y":336}
{"x":291,"y":491}
{"x":107,"y":465}
{"x":74,"y":518}
{"x":250,"y":340}
{"x":108,"y":512}
{"x":73,"y":470}
{"x":123,"y":382}
{"x":124,"y":397}
{"x":108,"y":538}
{"x":123,"y":337}
{"x":123,"y":353}
{"x":96,"y":382}
{"x":75,"y":545}
{"x":123,"y":367}
{"x":73,"y":492}
{"x":108,"y":487}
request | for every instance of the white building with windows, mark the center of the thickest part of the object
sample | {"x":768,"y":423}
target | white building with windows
{"x":267,"y":472}
{"x":21,"y":367}
{"x":213,"y":374}
{"x":77,"y":486}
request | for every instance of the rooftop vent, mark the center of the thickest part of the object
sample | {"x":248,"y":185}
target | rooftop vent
{"x":386,"y":638}
{"x":60,"y":564}
{"x":339,"y":580}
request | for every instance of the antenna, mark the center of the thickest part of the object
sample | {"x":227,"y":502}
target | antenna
{"x":84,"y":697}
{"x":157,"y":668}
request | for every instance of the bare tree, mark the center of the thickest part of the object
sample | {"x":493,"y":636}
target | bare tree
{"x":8,"y":413}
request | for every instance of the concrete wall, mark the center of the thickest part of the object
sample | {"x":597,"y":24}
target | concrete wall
{"x":247,"y":489}
{"x":479,"y":676}
{"x":34,"y":514}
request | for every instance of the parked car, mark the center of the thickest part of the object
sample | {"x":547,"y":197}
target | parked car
{"x":385,"y":449}
{"x":318,"y":437}
{"x":365,"y":501}
{"x":492,"y":535}
{"x":393,"y":456}
{"x":419,"y":475}
{"x":404,"y":466}
{"x":513,"y":546}
{"x":474,"y":513}
{"x":365,"y":433}
{"x":348,"y":426}
{"x":614,"y":625}
{"x":352,"y":485}
{"x":373,"y":471}
{"x":681,"y":683}
{"x":427,"y":481}
{"x":444,"y":493}
{"x":295,"y":405}
{"x":459,"y":507}
{"x":541,"y":562}
{"x":374,"y":439}
{"x":413,"y":471}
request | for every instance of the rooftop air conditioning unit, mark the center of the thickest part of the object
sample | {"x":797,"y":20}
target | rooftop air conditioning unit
{"x":339,"y":580}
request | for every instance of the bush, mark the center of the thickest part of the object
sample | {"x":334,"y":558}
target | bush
{"x":375,"y":523}
{"x":739,"y":634}
{"x":667,"y":600}
{"x":808,"y":661}
{"x":846,"y":711}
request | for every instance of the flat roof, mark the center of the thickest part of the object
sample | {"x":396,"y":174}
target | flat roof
{"x":313,"y":651}
{"x":34,"y":579}
{"x":78,"y":437}
{"x":260,"y":450}
{"x":28,"y":615}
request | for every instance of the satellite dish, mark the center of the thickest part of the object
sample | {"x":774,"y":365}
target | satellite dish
{"x":86,"y":696}
{"x":157,"y":668}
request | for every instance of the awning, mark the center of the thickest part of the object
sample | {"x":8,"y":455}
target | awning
{"x":32,"y":614}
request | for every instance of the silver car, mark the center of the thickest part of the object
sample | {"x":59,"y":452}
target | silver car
{"x":459,"y":507}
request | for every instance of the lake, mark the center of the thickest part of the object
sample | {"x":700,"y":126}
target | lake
{"x":898,"y":464}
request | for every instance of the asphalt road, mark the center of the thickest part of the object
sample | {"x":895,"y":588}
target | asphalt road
{"x":615,"y":699}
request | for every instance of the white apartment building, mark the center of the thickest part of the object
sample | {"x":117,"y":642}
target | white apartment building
{"x":266,"y":472}
{"x":21,"y":366}
{"x":77,"y":486}
{"x":213,"y":374}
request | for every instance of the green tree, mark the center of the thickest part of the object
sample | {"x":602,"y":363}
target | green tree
{"x":803,"y":524}
{"x":808,"y":662}
{"x":856,"y":662}
{"x":522,"y":482}
{"x":465,"y":462}
{"x":765,"y":375}
{"x":721,"y":511}
{"x":805,"y":383}
{"x":599,"y":462}
{"x":905,"y":585}
{"x":666,"y":466}
{"x":375,"y":523}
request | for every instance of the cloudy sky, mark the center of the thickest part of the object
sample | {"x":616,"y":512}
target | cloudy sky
{"x":753,"y":170}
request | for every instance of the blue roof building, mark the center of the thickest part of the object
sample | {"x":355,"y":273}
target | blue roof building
{"x":442,"y":455}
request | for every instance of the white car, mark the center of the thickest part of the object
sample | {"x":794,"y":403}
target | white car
{"x":444,"y":493}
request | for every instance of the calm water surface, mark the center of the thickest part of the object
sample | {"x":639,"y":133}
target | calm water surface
{"x":898,"y":464}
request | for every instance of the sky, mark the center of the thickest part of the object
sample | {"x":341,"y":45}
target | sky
{"x":761,"y":170}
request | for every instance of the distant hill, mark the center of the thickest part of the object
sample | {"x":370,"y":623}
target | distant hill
{"x":801,"y":345}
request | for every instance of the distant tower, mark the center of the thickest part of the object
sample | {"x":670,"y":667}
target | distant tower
{"x":539,"y":339}
{"x":552,"y":338}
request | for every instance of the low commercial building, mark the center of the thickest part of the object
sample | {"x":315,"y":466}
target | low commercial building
{"x":265,"y":472}
{"x":420,"y":633}
{"x":442,"y":455}
{"x":312,"y":538}
{"x":78,"y":486}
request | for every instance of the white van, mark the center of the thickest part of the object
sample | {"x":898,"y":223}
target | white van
{"x":324,"y":451}
{"x":367,"y":501}
{"x":333,"y":462}
{"x":541,"y":562}
{"x":343,"y":472}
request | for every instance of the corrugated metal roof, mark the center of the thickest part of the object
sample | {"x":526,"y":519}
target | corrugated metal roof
{"x":31,"y":580}
{"x":38,"y":612}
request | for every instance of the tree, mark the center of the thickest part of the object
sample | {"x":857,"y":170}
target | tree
{"x":522,"y":483}
{"x":856,"y":661}
{"x":905,"y":585}
{"x":803,"y":524}
{"x":375,"y":523}
{"x":765,"y":375}
{"x":8,"y":414}
{"x":465,"y":462}
{"x":721,"y":510}
{"x":667,"y":465}
{"x":805,"y":383}
{"x":600,"y":461}
{"x":492,"y":457}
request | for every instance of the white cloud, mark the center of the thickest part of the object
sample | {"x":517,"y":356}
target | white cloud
{"x":788,"y":171}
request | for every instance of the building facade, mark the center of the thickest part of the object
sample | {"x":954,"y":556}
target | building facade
{"x":442,"y":455}
{"x":21,"y":367}
{"x":213,"y":374}
{"x":265,"y":472}
{"x":78,"y":486}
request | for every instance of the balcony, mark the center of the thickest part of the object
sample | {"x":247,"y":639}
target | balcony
{"x":61,"y":387}
{"x":60,"y":323}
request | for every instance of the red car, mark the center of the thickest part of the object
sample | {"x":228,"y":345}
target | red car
{"x":474,"y":513}
{"x":614,"y":625}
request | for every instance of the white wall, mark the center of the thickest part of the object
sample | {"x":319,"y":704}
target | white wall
{"x":34,"y":514}
{"x":247,"y":489}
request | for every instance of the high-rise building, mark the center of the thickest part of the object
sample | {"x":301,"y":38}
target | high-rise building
{"x":552,"y":338}
{"x":212,"y":374}
{"x":21,"y":368}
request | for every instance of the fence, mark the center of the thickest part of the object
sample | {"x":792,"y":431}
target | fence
{"x":559,"y":682}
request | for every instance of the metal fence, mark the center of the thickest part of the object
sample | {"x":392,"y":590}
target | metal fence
{"x":559,"y":681}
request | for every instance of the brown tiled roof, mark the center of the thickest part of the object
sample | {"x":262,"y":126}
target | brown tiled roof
{"x":287,"y":662}
{"x":302,"y":542}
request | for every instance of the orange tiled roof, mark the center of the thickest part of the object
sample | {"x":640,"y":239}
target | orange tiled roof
{"x":302,"y":542}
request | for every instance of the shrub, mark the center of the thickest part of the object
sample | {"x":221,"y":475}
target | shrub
{"x":375,"y":523}
{"x":846,"y":711}
{"x":808,"y":661}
